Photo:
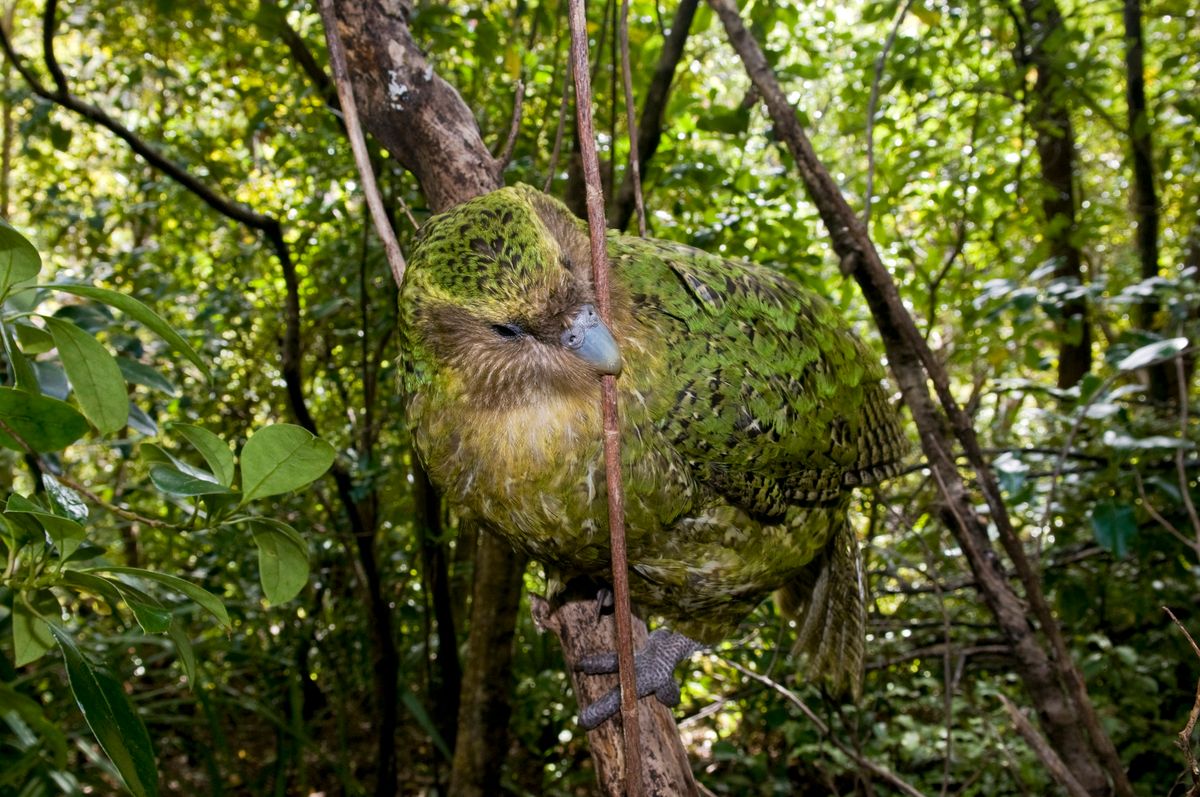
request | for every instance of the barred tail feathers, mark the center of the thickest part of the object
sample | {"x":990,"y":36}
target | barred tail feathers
{"x":828,"y":603}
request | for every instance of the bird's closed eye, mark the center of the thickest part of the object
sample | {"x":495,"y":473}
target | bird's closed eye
{"x":508,"y":330}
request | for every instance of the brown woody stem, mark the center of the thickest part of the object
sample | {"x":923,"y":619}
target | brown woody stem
{"x":612,"y":443}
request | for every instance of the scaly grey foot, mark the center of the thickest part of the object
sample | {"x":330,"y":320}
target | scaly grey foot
{"x":654,"y":667}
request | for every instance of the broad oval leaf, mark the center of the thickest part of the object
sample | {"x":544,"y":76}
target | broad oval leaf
{"x":282,"y":559}
{"x":1152,"y":352}
{"x":45,"y":423}
{"x":1114,"y":526}
{"x":1120,"y":440}
{"x":31,"y":634}
{"x":99,"y":385}
{"x":114,"y":723}
{"x":140,"y":313}
{"x":67,"y":500}
{"x":207,"y":601}
{"x":33,"y":340}
{"x":141,"y":374}
{"x":19,"y":260}
{"x":173,"y":481}
{"x":65,"y":533}
{"x":215,"y":451}
{"x":281,"y":458}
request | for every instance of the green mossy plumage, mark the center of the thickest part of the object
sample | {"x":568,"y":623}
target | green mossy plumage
{"x":748,"y":412}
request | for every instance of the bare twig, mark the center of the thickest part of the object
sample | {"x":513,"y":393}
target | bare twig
{"x":128,"y":514}
{"x":358,"y":143}
{"x":650,"y":125}
{"x":872,"y":106}
{"x":6,"y":117}
{"x":612,"y":440}
{"x":1180,"y":465}
{"x":883,"y":773}
{"x":1186,"y":635}
{"x":1157,"y":516}
{"x":1184,"y":740}
{"x":635,"y":169}
{"x":1045,"y":753}
{"x":558,"y":133}
{"x":510,"y":143}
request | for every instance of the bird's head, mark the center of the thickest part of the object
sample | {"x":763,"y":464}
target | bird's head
{"x":499,"y":300}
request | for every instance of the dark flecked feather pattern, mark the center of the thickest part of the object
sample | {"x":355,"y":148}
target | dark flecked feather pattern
{"x":749,"y":411}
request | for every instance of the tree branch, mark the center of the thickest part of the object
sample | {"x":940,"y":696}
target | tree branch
{"x":650,"y":125}
{"x":913,"y":363}
{"x":634,"y":784}
{"x":1045,"y":753}
{"x":873,"y":104}
{"x":362,"y":158}
{"x":635,"y":167}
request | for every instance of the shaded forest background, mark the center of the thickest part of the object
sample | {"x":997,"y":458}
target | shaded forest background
{"x":1029,"y":170}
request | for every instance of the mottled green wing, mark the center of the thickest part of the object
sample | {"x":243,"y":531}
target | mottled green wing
{"x":767,"y":391}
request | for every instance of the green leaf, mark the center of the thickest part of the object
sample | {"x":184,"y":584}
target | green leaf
{"x":29,"y":710}
{"x":209,"y":602}
{"x":116,"y":726}
{"x":33,"y":340}
{"x":1152,"y":353}
{"x":24,"y":376}
{"x":86,"y":552}
{"x":173,"y":481}
{"x":65,"y":498}
{"x":183,"y":646}
{"x":151,"y":615}
{"x":281,"y":458}
{"x":142,"y":374}
{"x":1125,"y":442}
{"x":19,"y":260}
{"x":282,"y":559}
{"x":31,"y":634}
{"x":98,"y":586}
{"x":214,"y":450}
{"x":46,"y":424}
{"x":1114,"y":526}
{"x":153,"y":454}
{"x":99,"y":385}
{"x":22,"y":529}
{"x":52,"y":379}
{"x":141,"y":423}
{"x":65,"y":533}
{"x":60,"y":137}
{"x":425,"y":721}
{"x":140,"y":313}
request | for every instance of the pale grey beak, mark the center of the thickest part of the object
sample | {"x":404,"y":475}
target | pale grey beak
{"x":591,"y":341}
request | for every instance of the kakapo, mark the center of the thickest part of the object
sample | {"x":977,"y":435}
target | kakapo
{"x":748,"y":408}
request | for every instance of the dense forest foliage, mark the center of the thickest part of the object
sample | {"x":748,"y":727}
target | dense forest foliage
{"x":190,"y":273}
